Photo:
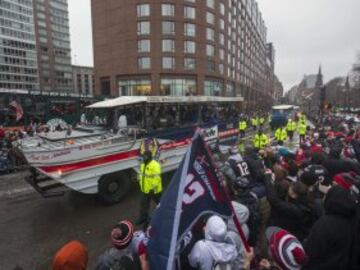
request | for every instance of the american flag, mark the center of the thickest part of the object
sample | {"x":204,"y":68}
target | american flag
{"x":19,"y":110}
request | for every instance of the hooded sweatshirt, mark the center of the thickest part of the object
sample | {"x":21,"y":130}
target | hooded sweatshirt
{"x":232,"y":236}
{"x":213,"y":249}
{"x":329,"y":243}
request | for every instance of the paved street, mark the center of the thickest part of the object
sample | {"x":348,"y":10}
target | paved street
{"x":33,"y":228}
{"x":40,"y":226}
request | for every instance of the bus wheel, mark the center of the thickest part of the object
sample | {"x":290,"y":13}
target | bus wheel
{"x":114,"y":187}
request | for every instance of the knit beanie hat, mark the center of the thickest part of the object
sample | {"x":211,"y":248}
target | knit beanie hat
{"x":122,"y":234}
{"x":308,"y":178}
{"x":285,"y":249}
{"x":72,"y":256}
{"x":340,"y":180}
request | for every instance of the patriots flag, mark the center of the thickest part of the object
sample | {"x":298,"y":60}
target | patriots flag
{"x":195,"y":190}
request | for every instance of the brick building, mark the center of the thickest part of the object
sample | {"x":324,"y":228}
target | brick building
{"x":53,"y":45}
{"x":178,"y":47}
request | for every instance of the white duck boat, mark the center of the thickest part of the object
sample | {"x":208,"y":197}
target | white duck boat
{"x":93,"y":159}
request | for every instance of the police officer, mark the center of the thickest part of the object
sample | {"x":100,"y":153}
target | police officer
{"x":150,"y":185}
{"x":242,"y":127}
{"x":302,"y":118}
{"x":261,"y":121}
{"x":291,"y":128}
{"x":261,"y":140}
{"x":254,"y":122}
{"x":302,"y":131}
{"x":280,"y":135}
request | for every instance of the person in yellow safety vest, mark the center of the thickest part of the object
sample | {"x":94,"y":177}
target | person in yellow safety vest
{"x":291,"y":128}
{"x":281,"y":135}
{"x":261,"y":140}
{"x":302,"y":131}
{"x":242,"y":127}
{"x":302,"y":118}
{"x":150,"y":185}
{"x":254,"y":122}
{"x":261,"y":121}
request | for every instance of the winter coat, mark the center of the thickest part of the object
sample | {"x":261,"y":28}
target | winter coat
{"x":297,"y":217}
{"x":214,"y":248}
{"x":329,"y":243}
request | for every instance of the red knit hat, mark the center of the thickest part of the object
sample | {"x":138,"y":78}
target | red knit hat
{"x":341,"y":181}
{"x":286,"y":250}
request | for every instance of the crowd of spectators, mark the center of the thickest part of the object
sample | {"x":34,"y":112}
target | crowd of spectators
{"x":298,"y":209}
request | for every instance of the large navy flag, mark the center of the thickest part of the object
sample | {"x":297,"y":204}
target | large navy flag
{"x":194,"y":190}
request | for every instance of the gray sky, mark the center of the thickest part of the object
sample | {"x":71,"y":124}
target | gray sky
{"x":305,"y":33}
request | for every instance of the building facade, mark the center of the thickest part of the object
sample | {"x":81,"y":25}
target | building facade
{"x":278,"y":90}
{"x":53,"y":45}
{"x":83,"y":80}
{"x":307,"y":93}
{"x":173,"y":47}
{"x":18,"y":58}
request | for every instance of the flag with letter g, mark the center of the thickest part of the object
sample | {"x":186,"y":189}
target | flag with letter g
{"x":195,"y":190}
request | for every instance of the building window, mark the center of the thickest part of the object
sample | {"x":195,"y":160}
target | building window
{"x":230,"y":90}
{"x":144,"y":45}
{"x":168,"y":10}
{"x":210,"y":3}
{"x":222,"y":54}
{"x":143,"y":10}
{"x":178,"y":86}
{"x":213,"y":87}
{"x":210,"y":34}
{"x":189,"y":46}
{"x":210,"y":66}
{"x":189,"y":13}
{"x":105,"y":86}
{"x":189,"y":29}
{"x":221,"y":39}
{"x":168,"y":45}
{"x":221,"y":69}
{"x":144,"y":62}
{"x":210,"y":18}
{"x":222,"y":24}
{"x":143,"y":28}
{"x":222,"y":9}
{"x":210,"y":50}
{"x":189,"y":63}
{"x":168,"y":28}
{"x":168,"y":62}
{"x":134,"y":87}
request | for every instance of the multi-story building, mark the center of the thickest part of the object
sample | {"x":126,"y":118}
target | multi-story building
{"x":269,"y":74}
{"x":53,"y":45}
{"x":173,"y":47}
{"x":83,"y":80}
{"x":18,"y":61}
{"x":278,"y":90}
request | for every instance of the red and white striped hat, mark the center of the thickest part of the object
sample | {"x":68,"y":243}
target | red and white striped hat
{"x":122,"y":234}
{"x":286,"y":250}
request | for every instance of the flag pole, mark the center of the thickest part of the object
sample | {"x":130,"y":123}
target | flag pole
{"x":235,"y":219}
